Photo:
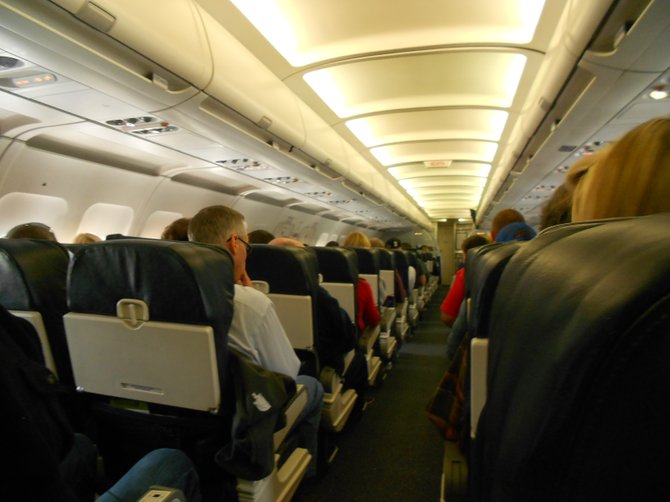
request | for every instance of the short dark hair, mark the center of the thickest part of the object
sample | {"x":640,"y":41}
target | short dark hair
{"x":260,"y":236}
{"x":472,"y":242}
{"x":32,"y":230}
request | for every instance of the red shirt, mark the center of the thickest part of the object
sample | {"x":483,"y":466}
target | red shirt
{"x":452,"y":302}
{"x":367,"y":314}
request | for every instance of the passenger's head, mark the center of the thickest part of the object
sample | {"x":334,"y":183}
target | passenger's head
{"x":558,"y":209}
{"x":504,"y":218}
{"x":472,"y":242}
{"x":516,"y":232}
{"x":376,"y":242}
{"x":356,"y":240}
{"x":32,"y":230}
{"x":86,"y":238}
{"x":177,"y":230}
{"x":224,"y":227}
{"x":286,"y":241}
{"x":630,"y":178}
{"x":332,"y":244}
{"x":260,"y":236}
{"x":393,"y":243}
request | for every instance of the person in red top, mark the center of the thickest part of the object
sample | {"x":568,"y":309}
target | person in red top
{"x":452,"y":301}
{"x":367,"y":314}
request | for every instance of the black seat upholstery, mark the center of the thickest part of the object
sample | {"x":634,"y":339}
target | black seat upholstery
{"x":337,"y":264}
{"x":485,"y":265}
{"x":402,"y":266}
{"x":33,"y":275}
{"x":181,"y":284}
{"x":368,"y":260}
{"x":578,"y":368}
{"x":291,"y":271}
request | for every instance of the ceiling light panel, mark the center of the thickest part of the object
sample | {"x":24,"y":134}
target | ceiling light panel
{"x":375,"y":130}
{"x":455,"y":169}
{"x":305,"y":32}
{"x":404,"y":153}
{"x":438,"y":79}
{"x":452,"y":181}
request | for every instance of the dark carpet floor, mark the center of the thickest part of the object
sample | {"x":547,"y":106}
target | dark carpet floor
{"x":393,"y":453}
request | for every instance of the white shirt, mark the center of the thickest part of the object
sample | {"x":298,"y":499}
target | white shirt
{"x":257,"y":332}
{"x":411,"y":278}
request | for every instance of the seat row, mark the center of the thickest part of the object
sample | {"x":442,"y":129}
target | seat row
{"x":569,"y":342}
{"x":139,"y":327}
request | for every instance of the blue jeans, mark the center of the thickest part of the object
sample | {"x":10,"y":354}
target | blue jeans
{"x":307,"y":425}
{"x":163,"y":467}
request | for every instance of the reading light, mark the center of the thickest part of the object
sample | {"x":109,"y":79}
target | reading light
{"x":659,"y":92}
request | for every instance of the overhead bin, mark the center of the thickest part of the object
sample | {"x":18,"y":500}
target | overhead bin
{"x":169,"y":33}
{"x":243,"y":83}
{"x":322,"y":142}
{"x":56,"y":39}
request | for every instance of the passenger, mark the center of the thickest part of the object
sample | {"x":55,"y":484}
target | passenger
{"x":260,"y":236}
{"x":332,"y":244}
{"x":32,"y":230}
{"x":628,"y":178}
{"x":367,"y":315}
{"x":504,"y":218}
{"x":86,"y":238}
{"x":453,"y":299}
{"x":49,"y":462}
{"x":516,"y":232}
{"x":177,"y":230}
{"x":336,"y":337}
{"x":557,"y":209}
{"x":255,"y":329}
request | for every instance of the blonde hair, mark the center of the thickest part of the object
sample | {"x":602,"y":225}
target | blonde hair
{"x":376,"y":242}
{"x":630,"y":178}
{"x":356,"y":240}
{"x":86,"y":238}
{"x":177,"y":230}
{"x":215,"y":225}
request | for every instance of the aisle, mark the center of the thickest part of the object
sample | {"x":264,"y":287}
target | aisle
{"x":393,"y":453}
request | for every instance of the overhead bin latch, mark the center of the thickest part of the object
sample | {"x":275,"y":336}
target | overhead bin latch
{"x":132,"y":313}
{"x":89,"y":12}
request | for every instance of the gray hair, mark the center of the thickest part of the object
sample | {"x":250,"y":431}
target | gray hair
{"x":215,"y":225}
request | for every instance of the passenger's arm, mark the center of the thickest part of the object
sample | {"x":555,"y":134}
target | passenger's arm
{"x":370,"y":313}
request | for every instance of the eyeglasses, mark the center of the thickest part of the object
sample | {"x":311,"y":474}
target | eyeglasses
{"x":247,"y":246}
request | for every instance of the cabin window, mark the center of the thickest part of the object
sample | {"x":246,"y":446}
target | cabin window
{"x":20,"y":207}
{"x":157,"y":221}
{"x":103,"y":219}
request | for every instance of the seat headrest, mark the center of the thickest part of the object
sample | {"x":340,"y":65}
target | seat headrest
{"x":483,"y":267}
{"x":368,"y":260}
{"x":337,"y":264}
{"x":386,"y":259}
{"x":33,"y":274}
{"x":179,"y":281}
{"x":288,"y":270}
{"x":578,"y":360}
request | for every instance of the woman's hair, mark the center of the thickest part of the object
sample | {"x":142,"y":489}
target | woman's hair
{"x":631,"y":177}
{"x":86,"y":238}
{"x":177,"y":230}
{"x":376,"y":242}
{"x":356,"y":240}
{"x":558,"y":209}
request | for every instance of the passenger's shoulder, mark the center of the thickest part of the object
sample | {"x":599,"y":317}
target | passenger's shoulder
{"x":251,"y":297}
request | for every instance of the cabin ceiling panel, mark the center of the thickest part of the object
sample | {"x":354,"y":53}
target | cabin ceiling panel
{"x":403,"y":153}
{"x":461,"y":123}
{"x":305,"y":32}
{"x":425,"y":80}
{"x":453,"y":169}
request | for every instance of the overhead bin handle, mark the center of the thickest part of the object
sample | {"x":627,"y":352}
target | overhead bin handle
{"x":89,"y":12}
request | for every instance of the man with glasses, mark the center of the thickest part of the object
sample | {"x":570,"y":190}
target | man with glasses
{"x":256,"y":329}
